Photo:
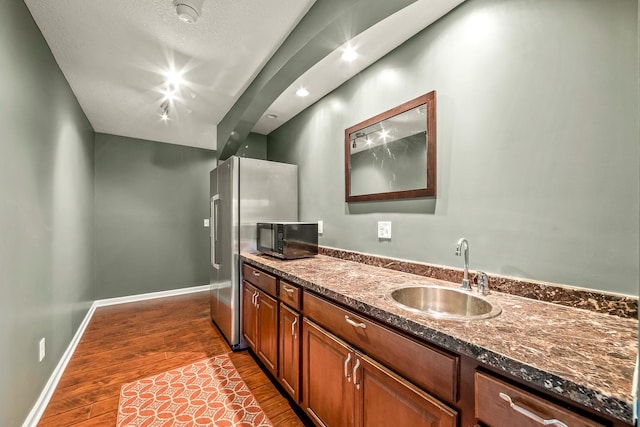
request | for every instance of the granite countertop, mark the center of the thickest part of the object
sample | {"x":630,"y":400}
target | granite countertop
{"x":584,"y":356}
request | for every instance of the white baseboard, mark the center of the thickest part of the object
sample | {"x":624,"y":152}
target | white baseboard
{"x":43,"y":400}
{"x":151,"y":295}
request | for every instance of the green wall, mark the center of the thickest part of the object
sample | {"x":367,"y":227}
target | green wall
{"x":150,"y":202}
{"x":254,"y":146}
{"x":70,"y":198}
{"x":537,"y":143}
{"x":46,"y":212}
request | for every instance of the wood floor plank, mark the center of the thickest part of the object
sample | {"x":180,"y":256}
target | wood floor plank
{"x":124,"y":343}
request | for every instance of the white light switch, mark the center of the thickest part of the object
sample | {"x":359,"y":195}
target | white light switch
{"x":206,"y":222}
{"x":384,"y":229}
{"x":320,"y":227}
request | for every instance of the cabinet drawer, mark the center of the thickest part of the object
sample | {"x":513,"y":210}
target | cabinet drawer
{"x":432,"y":370}
{"x":493,"y":408}
{"x":290,"y":295}
{"x":260,"y":279}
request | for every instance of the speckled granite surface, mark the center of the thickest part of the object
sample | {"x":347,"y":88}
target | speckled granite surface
{"x":585,"y":356}
{"x":600,"y":302}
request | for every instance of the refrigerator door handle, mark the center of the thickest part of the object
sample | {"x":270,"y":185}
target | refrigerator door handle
{"x":214,"y":231}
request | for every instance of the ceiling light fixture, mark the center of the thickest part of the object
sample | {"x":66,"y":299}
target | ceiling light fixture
{"x":173,"y":79}
{"x":169,"y":95}
{"x":188,"y":10}
{"x":349,"y":54}
{"x":302,"y":92}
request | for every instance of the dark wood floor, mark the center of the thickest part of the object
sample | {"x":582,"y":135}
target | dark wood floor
{"x":126,"y":342}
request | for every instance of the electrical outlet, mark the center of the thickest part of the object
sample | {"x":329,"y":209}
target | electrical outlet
{"x":384,"y":229}
{"x":42,"y":350}
{"x":206,"y":222}
{"x":320,"y":227}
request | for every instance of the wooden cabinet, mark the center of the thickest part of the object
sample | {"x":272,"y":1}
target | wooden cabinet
{"x":267,"y":348}
{"x":499,"y":404}
{"x":347,"y":369}
{"x":260,"y":324}
{"x":290,"y":295}
{"x":249,"y":314}
{"x":343,"y":387}
{"x":438,"y":373}
{"x":327,"y":391}
{"x":289,"y":351}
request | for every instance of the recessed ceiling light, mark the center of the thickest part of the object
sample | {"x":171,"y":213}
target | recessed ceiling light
{"x":188,"y":10}
{"x":349,"y":54}
{"x":302,"y":92}
{"x":272,"y":116}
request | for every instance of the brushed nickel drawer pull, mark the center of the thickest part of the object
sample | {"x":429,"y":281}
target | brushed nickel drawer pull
{"x":255,"y":273}
{"x":355,"y":374}
{"x":346,"y":368}
{"x":353,"y":323}
{"x":527,"y":413}
{"x":287,"y":290}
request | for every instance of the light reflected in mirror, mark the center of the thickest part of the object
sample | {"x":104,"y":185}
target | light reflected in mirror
{"x":392,"y":155}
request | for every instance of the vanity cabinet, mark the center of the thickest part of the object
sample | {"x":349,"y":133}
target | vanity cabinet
{"x":343,"y":387}
{"x":499,"y":404}
{"x":260,"y":315}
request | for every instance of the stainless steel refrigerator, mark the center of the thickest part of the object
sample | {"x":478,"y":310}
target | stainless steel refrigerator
{"x":243,"y":192}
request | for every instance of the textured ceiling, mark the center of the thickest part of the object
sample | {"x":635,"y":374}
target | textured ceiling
{"x":114,"y":53}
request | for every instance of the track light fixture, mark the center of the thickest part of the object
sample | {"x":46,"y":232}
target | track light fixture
{"x":164,"y":108}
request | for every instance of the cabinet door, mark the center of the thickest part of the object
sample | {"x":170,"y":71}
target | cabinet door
{"x":289,"y":357}
{"x":268,"y":331}
{"x":327,"y":391}
{"x":249,"y":314}
{"x":385,"y":399}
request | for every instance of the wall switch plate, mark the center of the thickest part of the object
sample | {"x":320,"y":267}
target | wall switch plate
{"x":320,"y":227}
{"x":42,"y":350}
{"x":384,"y":229}
{"x":206,"y":222}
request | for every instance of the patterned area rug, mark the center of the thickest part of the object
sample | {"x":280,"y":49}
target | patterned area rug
{"x":206,"y":393}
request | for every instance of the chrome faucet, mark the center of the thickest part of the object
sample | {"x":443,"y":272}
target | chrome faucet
{"x":465,"y":281}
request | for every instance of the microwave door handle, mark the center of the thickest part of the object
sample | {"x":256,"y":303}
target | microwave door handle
{"x":215,"y":200}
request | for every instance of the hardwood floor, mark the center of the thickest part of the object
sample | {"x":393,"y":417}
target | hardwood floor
{"x":126,"y":342}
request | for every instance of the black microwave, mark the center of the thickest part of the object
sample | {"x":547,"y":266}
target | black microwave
{"x":288,"y":240}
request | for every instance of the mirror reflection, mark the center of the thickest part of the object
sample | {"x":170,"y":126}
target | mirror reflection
{"x":392,"y":155}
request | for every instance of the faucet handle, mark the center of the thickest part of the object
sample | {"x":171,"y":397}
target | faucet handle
{"x":483,"y":282}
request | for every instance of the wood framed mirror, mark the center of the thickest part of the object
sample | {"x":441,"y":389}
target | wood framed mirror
{"x":393,"y":155}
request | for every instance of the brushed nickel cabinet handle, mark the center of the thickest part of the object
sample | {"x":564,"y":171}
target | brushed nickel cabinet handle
{"x":293,"y":328}
{"x":255,"y":273}
{"x":353,"y":323}
{"x":346,"y":368}
{"x":527,"y":413}
{"x":287,"y":290}
{"x":355,"y":374}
